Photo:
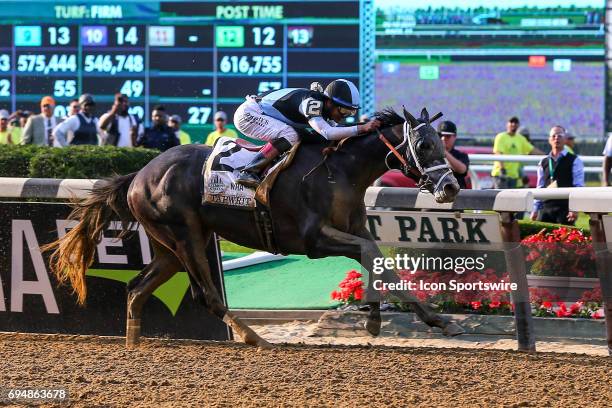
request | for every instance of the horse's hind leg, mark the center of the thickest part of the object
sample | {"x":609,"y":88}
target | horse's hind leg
{"x":163,"y":266}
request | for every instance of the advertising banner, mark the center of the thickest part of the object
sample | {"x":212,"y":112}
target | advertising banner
{"x":32,"y":301}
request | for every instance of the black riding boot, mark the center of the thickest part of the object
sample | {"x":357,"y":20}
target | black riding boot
{"x":249,"y":176}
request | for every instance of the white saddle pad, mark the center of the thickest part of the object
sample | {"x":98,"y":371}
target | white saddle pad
{"x":220,"y":173}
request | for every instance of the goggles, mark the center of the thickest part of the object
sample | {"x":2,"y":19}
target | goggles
{"x":346,"y":112}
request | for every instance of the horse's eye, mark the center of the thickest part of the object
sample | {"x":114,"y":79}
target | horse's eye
{"x":424,"y":145}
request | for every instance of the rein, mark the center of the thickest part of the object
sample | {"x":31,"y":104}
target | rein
{"x":419,"y":173}
{"x":397,"y":154}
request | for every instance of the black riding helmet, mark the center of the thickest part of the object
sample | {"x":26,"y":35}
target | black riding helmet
{"x":344,"y":94}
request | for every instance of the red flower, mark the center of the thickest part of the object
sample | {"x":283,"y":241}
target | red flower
{"x":598,"y":314}
{"x":562,"y":311}
{"x":351,"y":288}
{"x":353,"y":275}
{"x":358,"y":293}
{"x":592,"y":296}
{"x":547,"y":305}
{"x":575,"y":308}
{"x":494,"y":305}
{"x":476,"y":305}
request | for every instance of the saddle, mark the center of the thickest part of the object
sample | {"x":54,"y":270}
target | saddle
{"x":228,"y":158}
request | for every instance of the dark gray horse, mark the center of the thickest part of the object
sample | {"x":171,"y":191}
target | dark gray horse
{"x":311,"y":215}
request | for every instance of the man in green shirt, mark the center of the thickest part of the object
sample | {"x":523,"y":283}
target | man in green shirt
{"x":9,"y":134}
{"x":510,"y":142}
{"x":220,"y":129}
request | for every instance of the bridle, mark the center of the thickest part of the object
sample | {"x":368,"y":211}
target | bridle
{"x":420,"y":172}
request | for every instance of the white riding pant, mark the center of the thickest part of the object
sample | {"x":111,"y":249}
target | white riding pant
{"x":250,"y":119}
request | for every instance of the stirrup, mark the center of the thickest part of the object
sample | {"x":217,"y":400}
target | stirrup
{"x":248,"y":179}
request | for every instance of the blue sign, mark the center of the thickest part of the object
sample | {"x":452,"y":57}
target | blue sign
{"x":93,"y":36}
{"x":28,"y":36}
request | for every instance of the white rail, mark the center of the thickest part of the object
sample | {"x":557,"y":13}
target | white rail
{"x":528,"y":169}
{"x":526,"y":159}
{"x":595,"y":199}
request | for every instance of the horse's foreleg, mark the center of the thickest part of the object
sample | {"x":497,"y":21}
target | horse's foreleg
{"x":247,"y":334}
{"x":335,"y":242}
{"x":197,"y":265}
{"x":363,"y":249}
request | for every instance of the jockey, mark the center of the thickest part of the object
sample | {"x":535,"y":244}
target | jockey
{"x":272,"y":117}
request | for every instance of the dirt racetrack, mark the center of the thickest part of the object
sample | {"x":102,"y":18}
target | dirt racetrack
{"x":102,"y":372}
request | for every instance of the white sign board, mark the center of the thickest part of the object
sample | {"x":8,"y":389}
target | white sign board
{"x":393,"y":227}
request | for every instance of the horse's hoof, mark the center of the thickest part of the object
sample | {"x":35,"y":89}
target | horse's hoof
{"x":264,"y":345}
{"x":252,"y":339}
{"x":452,"y":330}
{"x":373,"y":326}
{"x":132,"y":333}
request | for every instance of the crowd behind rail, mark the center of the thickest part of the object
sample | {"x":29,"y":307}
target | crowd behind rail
{"x":117,"y":127}
{"x":561,"y":165}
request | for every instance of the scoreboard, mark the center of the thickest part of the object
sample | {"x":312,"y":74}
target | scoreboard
{"x":192,"y":57}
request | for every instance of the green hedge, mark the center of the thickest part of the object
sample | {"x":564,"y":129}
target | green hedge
{"x":529,"y":227}
{"x":71,"y":162}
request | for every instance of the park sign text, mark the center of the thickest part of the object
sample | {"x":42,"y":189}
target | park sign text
{"x":419,"y":227}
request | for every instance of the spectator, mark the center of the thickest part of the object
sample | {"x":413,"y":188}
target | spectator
{"x":607,"y":162}
{"x":507,"y":174}
{"x":159,"y":135}
{"x":119,"y":127}
{"x":14,"y":126}
{"x":459,"y":162}
{"x":82,"y":128}
{"x":570,"y":143}
{"x":175,"y":123}
{"x":559,"y":168}
{"x":17,"y":121}
{"x":73,"y":108}
{"x":5,"y":132}
{"x":38,"y":129}
{"x":220,"y":129}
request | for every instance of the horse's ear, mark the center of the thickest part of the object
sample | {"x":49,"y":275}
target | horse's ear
{"x":425,"y":115}
{"x":409,"y":118}
{"x":435,"y":117}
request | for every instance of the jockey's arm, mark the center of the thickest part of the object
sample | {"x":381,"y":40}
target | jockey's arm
{"x":329,"y":132}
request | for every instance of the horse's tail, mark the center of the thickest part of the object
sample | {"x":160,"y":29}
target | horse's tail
{"x":74,"y":252}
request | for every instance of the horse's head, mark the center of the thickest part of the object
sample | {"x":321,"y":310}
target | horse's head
{"x":426,"y":152}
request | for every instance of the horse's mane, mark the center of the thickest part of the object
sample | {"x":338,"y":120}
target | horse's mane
{"x":388,"y":117}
